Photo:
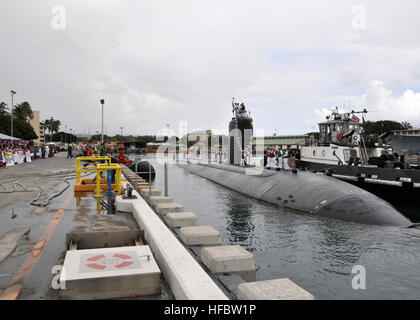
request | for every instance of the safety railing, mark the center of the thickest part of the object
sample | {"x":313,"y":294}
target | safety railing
{"x":93,"y":160}
{"x":103,"y":167}
{"x":97,"y":164}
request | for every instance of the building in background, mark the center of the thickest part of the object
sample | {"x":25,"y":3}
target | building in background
{"x":285,"y":142}
{"x":407,"y":143}
{"x":35,"y":123}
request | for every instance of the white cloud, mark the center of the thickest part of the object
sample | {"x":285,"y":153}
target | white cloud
{"x":384,"y":106}
{"x":158,"y":62}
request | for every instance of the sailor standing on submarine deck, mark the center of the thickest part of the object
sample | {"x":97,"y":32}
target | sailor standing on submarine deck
{"x":271,"y":158}
{"x":243,"y":158}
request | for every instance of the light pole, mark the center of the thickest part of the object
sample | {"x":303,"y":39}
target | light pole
{"x":51,"y":127}
{"x":65,"y":130}
{"x":11,"y":127}
{"x":71,"y":134}
{"x":102,"y":135}
{"x":121,"y":131}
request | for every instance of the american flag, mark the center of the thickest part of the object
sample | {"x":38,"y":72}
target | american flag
{"x":355,"y":119}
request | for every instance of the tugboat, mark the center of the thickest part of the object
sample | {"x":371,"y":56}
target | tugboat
{"x":346,"y":153}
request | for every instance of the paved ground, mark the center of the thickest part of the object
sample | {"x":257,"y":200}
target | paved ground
{"x":33,"y":228}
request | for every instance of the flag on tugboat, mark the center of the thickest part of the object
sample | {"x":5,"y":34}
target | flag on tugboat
{"x":355,"y":119}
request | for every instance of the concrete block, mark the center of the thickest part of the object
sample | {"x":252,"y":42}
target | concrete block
{"x":108,"y":273}
{"x":200,"y":235}
{"x":154,"y":200}
{"x":145,"y":192}
{"x":278,"y":289}
{"x":164,"y":208}
{"x":181,"y":219}
{"x":124,"y":205}
{"x":142,"y":184}
{"x":226,"y":259}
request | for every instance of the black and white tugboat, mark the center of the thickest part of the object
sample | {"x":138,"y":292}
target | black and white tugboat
{"x":344,"y":152}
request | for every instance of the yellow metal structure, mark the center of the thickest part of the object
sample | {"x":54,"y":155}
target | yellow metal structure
{"x":84,"y":185}
{"x":103,"y":167}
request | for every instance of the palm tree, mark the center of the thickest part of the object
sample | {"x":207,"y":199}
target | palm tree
{"x":56,"y":125}
{"x":3,"y":109}
{"x":406,"y":125}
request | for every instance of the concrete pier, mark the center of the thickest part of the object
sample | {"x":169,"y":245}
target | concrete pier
{"x":200,"y":235}
{"x":181,"y":219}
{"x":224,"y":259}
{"x":164,"y":208}
{"x":145,"y":192}
{"x":154,"y":200}
{"x":279,"y":289}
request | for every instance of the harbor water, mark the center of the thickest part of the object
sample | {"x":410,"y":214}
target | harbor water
{"x":318,"y":254}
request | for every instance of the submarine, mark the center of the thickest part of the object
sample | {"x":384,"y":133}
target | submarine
{"x":304,"y":191}
{"x":299,"y":190}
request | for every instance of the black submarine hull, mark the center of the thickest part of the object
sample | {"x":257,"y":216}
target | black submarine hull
{"x":304,"y":191}
{"x":142,"y":169}
{"x":388,"y":183}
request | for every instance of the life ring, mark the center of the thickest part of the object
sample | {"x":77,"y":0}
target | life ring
{"x":340,"y":135}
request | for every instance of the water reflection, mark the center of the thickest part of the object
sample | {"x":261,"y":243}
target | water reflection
{"x":238,"y":215}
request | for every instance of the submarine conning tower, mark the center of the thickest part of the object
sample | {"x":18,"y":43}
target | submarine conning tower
{"x":240,"y":133}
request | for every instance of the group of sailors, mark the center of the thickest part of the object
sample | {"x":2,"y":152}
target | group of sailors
{"x":13,"y":154}
{"x":279,"y":158}
{"x":239,"y":110}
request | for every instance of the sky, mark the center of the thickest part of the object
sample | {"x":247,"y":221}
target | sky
{"x":159,"y":63}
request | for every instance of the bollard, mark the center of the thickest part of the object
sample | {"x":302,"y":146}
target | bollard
{"x":109,"y":179}
{"x":166,"y":179}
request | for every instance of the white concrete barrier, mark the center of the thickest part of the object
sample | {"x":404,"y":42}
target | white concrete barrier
{"x":185,"y":276}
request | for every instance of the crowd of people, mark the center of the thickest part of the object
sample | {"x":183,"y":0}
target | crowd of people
{"x":18,"y":152}
{"x":279,"y":159}
{"x":87,"y":150}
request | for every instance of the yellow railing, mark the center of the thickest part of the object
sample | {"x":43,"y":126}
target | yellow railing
{"x":104,"y":166}
{"x":80,"y":168}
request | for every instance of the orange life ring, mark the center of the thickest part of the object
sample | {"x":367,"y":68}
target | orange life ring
{"x":340,"y":135}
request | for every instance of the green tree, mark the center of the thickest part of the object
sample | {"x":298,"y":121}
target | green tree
{"x":21,"y":127}
{"x":52,"y":126}
{"x":56,"y":125}
{"x":3,"y":109}
{"x":379,"y":127}
{"x":406,"y":125}
{"x":4,"y":118}
{"x":23,"y":111}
